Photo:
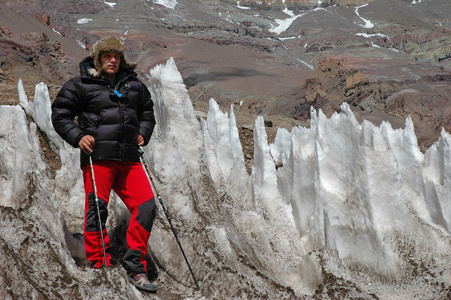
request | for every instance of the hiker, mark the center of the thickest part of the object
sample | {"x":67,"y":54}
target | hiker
{"x":115,"y":117}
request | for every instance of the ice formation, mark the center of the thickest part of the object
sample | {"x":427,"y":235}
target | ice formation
{"x":354,"y":200}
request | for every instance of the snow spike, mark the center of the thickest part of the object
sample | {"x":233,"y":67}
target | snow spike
{"x":146,"y":167}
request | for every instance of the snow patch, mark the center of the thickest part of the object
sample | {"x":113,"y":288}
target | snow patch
{"x":111,"y":4}
{"x":167,"y":3}
{"x":368,"y":23}
{"x":83,"y":21}
{"x":284,"y":24}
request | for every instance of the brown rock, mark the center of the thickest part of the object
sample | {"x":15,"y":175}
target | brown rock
{"x":5,"y":30}
{"x":267,"y":120}
{"x":329,"y":65}
{"x":314,"y":90}
{"x":355,"y":80}
{"x":42,"y":18}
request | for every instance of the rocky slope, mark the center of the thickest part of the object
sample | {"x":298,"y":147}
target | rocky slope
{"x":300,"y":4}
{"x":230,"y":53}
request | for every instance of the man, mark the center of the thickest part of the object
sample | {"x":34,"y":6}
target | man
{"x":115,"y":117}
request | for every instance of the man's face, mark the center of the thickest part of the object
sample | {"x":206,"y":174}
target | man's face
{"x":110,"y":62}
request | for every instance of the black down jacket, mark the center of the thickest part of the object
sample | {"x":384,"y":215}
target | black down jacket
{"x":113,"y":115}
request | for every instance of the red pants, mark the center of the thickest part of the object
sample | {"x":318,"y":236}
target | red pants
{"x":130,"y":183}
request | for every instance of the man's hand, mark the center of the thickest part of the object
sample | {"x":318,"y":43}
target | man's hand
{"x":139,"y":140}
{"x":87,"y":144}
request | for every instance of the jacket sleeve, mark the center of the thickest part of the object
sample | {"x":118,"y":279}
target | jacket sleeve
{"x":146,"y":114}
{"x":64,"y":110}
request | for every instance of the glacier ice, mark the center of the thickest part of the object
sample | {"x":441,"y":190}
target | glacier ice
{"x":354,"y":200}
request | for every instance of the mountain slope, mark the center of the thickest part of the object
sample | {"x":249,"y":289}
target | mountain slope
{"x":249,"y":54}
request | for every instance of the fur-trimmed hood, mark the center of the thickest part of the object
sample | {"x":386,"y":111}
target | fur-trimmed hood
{"x":108,"y":44}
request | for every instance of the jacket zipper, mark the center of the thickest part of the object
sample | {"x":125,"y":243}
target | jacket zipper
{"x":122,"y":108}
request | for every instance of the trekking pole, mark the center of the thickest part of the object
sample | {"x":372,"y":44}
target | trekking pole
{"x":146,"y":167}
{"x":98,"y":210}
